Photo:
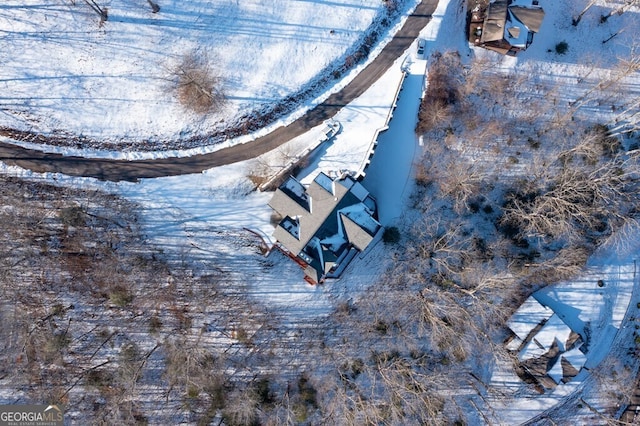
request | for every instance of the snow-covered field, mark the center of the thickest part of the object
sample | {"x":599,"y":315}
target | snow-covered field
{"x":65,"y":72}
{"x":203,"y":215}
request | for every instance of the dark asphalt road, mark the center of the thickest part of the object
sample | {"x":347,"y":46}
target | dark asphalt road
{"x":123,"y":170}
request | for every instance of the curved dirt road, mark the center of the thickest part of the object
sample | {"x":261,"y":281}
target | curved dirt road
{"x":124,"y":170}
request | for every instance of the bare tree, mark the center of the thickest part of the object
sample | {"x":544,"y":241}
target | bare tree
{"x":578,"y":18}
{"x":612,"y":36}
{"x":442,"y":91}
{"x":241,"y":407}
{"x":461,"y":182}
{"x":627,"y":4}
{"x":198,"y":87}
{"x":101,"y":11}
{"x":579,"y":194}
{"x":412,"y":394}
{"x":155,"y":8}
{"x":444,"y":245}
{"x":198,"y":374}
{"x":627,"y":122}
{"x":624,"y":68}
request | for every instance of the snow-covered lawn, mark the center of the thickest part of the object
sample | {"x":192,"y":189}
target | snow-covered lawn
{"x":65,"y":72}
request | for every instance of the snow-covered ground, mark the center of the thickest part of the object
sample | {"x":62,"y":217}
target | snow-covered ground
{"x":204,"y":215}
{"x":188,"y":213}
{"x":607,"y":312}
{"x":64,"y":72}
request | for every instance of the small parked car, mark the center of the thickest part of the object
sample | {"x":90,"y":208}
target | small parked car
{"x":421,"y":45}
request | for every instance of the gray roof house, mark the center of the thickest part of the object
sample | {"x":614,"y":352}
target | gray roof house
{"x":324,"y":225}
{"x":508,"y":26}
{"x":547,"y":348}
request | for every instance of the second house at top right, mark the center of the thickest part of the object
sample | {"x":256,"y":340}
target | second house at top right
{"x":506,"y":26}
